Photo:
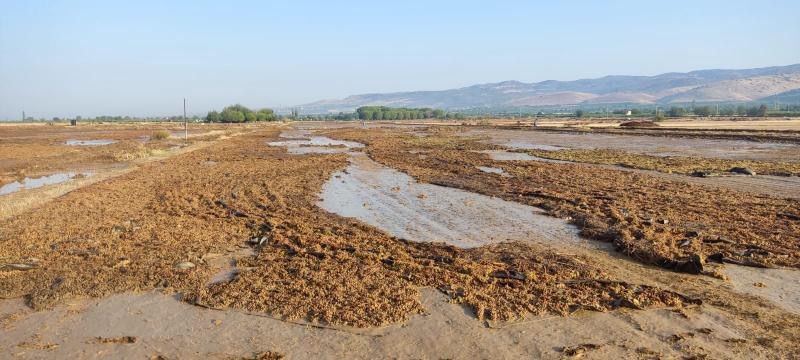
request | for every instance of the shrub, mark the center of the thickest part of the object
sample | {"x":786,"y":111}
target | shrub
{"x":160,"y":135}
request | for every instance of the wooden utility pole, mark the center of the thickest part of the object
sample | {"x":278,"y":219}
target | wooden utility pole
{"x":185,"y":123}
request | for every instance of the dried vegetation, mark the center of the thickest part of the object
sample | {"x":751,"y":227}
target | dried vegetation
{"x":669,"y":164}
{"x":159,"y":226}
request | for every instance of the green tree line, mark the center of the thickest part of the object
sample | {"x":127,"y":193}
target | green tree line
{"x":706,"y":110}
{"x":389,"y":113}
{"x":239,"y":114}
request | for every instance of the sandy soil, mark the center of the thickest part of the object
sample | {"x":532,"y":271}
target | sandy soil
{"x":163,"y":326}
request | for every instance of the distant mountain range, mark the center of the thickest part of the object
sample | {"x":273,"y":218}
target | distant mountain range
{"x":772,"y":84}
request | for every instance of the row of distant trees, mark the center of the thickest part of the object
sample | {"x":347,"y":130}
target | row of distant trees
{"x":112,"y":118}
{"x":706,"y":110}
{"x":389,"y":113}
{"x":239,"y":114}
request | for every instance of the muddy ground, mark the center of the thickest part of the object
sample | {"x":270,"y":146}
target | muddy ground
{"x":694,"y":166}
{"x":666,"y":154}
{"x":238,"y":248}
{"x":660,"y":143}
{"x":36,"y":150}
{"x":669,"y":223}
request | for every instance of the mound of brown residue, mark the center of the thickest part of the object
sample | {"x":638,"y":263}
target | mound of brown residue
{"x":639,"y":124}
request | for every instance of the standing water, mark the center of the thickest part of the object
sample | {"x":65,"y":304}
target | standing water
{"x":396,"y":203}
{"x":32,"y":183}
{"x":97,"y":142}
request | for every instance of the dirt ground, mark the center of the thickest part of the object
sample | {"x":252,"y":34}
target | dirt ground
{"x":671,"y":164}
{"x":35,"y":150}
{"x":638,"y":212}
{"x":237,"y":248}
{"x":730,"y":147}
{"x":32,"y":156}
{"x":610,"y":123}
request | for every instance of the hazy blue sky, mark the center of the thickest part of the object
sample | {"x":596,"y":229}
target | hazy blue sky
{"x":67,"y":58}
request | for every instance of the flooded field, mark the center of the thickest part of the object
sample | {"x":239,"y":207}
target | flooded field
{"x":99,"y":142}
{"x":33,"y":183}
{"x":652,"y":145}
{"x":415,"y":241}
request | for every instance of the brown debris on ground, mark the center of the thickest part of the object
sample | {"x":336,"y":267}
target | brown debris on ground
{"x":264,"y":355}
{"x":579,"y":350}
{"x":500,"y":283}
{"x":639,"y":124}
{"x":656,"y":221}
{"x":115,"y":340}
{"x":669,"y":164}
{"x":779,"y":136}
{"x":141,"y":231}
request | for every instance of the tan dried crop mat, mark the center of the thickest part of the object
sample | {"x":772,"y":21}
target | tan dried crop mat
{"x":159,"y":226}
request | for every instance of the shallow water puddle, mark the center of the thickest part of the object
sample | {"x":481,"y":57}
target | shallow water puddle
{"x":97,"y":142}
{"x":317,"y":141}
{"x":32,"y":183}
{"x":493,"y":170}
{"x":531,"y":146}
{"x":502,"y":155}
{"x":177,"y":329}
{"x":300,"y":150}
{"x":396,"y":203}
{"x":781,"y":286}
{"x":313,"y":144}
